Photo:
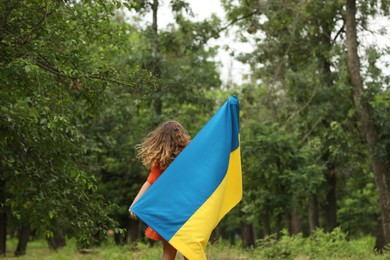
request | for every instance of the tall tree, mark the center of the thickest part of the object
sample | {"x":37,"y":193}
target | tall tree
{"x":298,"y":81}
{"x":49,"y":79}
{"x":297,"y":64}
{"x":185,"y":73}
{"x":368,"y":124}
{"x":3,"y":219}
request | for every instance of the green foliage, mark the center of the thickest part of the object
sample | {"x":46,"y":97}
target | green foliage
{"x":359,"y":212}
{"x":379,"y":95}
{"x":298,"y":117}
{"x":320,"y":245}
{"x":186,"y":71}
{"x":272,"y":156}
{"x":56,"y":61}
{"x":109,"y":140}
{"x":80,"y":87}
{"x":182,"y":74}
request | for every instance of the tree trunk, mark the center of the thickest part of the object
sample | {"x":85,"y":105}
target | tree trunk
{"x":57,"y":240}
{"x":247,"y":235}
{"x":330,"y":207}
{"x":3,"y":220}
{"x":380,"y":166}
{"x":229,"y":236}
{"x":313,"y":213}
{"x":23,"y":236}
{"x":156,"y":66}
{"x":215,"y":235}
{"x":266,"y":224}
{"x":155,"y":42}
{"x":380,"y":239}
{"x":119,"y":239}
{"x":331,"y":200}
{"x":3,"y":233}
{"x":294,"y":223}
{"x":124,"y":223}
{"x":278,"y":225}
{"x":133,"y":231}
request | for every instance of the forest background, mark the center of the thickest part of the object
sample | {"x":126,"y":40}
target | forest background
{"x":82,"y":82}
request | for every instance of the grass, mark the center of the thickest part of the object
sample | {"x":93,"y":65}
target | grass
{"x":39,"y":250}
{"x":320,"y":245}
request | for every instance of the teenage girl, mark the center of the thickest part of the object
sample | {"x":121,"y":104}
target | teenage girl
{"x":156,"y":152}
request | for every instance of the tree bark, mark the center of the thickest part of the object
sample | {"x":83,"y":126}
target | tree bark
{"x":23,"y":236}
{"x":155,"y":42}
{"x":57,"y":240}
{"x":133,"y":231}
{"x":330,"y":207}
{"x":278,"y":225}
{"x":119,"y":239}
{"x":229,"y":236}
{"x":3,"y":233}
{"x":380,"y":166}
{"x":331,"y":200}
{"x":380,"y":238}
{"x":313,"y":213}
{"x":247,"y":235}
{"x":3,"y":220}
{"x":215,"y":235}
{"x":293,"y":219}
{"x":266,"y":224}
{"x":125,"y":223}
{"x":294,"y":223}
{"x":156,"y":66}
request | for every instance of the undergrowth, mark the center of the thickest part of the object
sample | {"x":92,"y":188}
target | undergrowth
{"x":320,"y":245}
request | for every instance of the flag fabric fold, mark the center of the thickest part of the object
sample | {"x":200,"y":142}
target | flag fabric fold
{"x":199,"y":187}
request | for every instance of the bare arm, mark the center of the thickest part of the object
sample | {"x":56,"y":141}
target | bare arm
{"x":144,"y":188}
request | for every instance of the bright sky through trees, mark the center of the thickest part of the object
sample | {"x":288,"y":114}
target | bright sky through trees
{"x":234,"y":71}
{"x":231,"y":70}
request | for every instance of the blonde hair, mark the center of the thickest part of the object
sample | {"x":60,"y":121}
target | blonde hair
{"x":163,"y":144}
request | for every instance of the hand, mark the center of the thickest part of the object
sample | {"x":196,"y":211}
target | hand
{"x":132,"y":215}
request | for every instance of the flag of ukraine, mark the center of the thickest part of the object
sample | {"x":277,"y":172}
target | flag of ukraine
{"x":199,"y":187}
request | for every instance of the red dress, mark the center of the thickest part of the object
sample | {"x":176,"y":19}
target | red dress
{"x":153,"y":176}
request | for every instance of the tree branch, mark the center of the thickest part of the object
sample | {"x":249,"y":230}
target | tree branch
{"x":237,"y":20}
{"x":311,"y":130}
{"x":47,"y":13}
{"x":339,"y":32}
{"x":302,"y":108}
{"x":111,"y":80}
{"x":54,"y":70}
{"x":4,"y":22}
{"x":48,"y":67}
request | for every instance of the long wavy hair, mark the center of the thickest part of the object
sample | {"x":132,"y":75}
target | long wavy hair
{"x":163,"y":144}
